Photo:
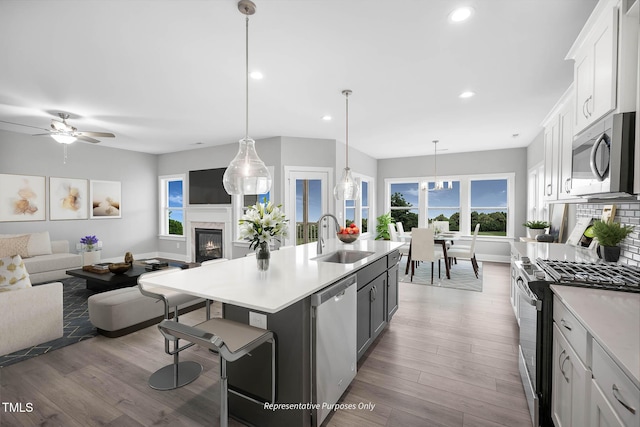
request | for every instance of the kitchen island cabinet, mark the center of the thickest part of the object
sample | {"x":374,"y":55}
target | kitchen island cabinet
{"x":282,"y":298}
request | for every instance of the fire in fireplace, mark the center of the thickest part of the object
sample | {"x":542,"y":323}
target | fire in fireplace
{"x":208,"y":244}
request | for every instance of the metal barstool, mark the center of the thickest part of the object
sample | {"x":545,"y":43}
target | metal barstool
{"x":177,"y":373}
{"x":232,"y":340}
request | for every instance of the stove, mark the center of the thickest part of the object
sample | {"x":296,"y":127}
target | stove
{"x":606,"y":276}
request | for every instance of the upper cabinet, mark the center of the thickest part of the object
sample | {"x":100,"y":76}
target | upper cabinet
{"x":605,"y":67}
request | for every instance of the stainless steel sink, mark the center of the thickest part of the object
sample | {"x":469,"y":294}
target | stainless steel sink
{"x":343,"y":257}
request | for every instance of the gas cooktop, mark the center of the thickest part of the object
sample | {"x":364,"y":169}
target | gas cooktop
{"x":599,"y":275}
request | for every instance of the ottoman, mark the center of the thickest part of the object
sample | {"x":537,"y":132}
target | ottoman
{"x":122,"y":311}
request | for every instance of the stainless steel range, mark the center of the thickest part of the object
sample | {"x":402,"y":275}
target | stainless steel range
{"x":535,"y":312}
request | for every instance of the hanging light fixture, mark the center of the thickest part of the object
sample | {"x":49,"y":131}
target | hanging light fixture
{"x":438,"y":185}
{"x":247,"y":173}
{"x":347,"y":188}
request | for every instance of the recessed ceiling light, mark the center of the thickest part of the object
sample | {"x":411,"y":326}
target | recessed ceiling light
{"x":256,"y":75}
{"x":467,"y":94}
{"x":461,"y":14}
{"x":326,"y":118}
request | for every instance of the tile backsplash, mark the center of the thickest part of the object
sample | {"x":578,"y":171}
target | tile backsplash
{"x":626,"y":214}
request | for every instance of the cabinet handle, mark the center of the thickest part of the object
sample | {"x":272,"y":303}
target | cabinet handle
{"x":567,"y":189}
{"x":565,"y":325}
{"x":587,"y":104}
{"x":372,"y":298}
{"x":549,"y":187}
{"x":584,"y":106}
{"x":562,"y":368}
{"x":616,"y":392}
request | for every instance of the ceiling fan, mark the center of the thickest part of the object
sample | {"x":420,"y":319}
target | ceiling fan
{"x":64,"y":133}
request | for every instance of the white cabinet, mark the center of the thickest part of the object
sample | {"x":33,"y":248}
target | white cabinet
{"x":595,"y":68}
{"x":602,"y":414}
{"x":558,"y":137}
{"x":571,"y":383}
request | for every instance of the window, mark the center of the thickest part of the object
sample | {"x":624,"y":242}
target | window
{"x":359,"y":211}
{"x":471,"y":199}
{"x":404,"y":204}
{"x":489,"y":206}
{"x":444,"y":205}
{"x":172,"y":205}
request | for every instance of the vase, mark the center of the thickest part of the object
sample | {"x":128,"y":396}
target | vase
{"x":532,"y":233}
{"x":611,"y":253}
{"x":90,"y":258}
{"x":263,"y":254}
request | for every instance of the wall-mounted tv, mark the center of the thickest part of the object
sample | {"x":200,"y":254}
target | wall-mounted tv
{"x":205,"y":187}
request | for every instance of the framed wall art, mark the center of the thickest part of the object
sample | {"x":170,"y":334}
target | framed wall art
{"x":68,"y":198}
{"x":105,"y":199}
{"x":22,"y":198}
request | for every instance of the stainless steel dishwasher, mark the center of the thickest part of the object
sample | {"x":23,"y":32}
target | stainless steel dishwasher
{"x":334,"y":346}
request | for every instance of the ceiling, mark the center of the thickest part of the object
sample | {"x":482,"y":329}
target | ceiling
{"x":168,"y":76}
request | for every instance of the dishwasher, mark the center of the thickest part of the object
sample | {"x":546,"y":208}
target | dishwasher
{"x":334,"y":347}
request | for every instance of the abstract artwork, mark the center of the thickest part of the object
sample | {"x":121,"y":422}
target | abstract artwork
{"x":68,"y":198}
{"x":22,"y":198}
{"x":105,"y":199}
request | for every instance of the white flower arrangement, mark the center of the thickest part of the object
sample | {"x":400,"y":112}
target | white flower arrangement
{"x":263,"y":223}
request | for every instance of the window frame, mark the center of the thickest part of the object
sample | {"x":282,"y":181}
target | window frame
{"x":465,"y":199}
{"x":164,"y":208}
{"x":358,"y":207}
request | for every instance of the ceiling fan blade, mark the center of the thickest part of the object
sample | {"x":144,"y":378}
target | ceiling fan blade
{"x":42,"y":134}
{"x":87,"y":139}
{"x":20,"y":124}
{"x":97,"y":134}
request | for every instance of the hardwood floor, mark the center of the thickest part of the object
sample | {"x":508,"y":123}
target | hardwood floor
{"x":448,"y":358}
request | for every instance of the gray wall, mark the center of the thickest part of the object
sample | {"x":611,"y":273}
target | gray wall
{"x":136,"y":231}
{"x":535,"y":150}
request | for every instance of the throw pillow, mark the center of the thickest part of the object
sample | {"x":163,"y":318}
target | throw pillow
{"x":39,"y":244}
{"x":14,"y":246}
{"x":13,"y":274}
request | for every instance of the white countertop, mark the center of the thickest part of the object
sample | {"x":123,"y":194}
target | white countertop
{"x":555,"y":251}
{"x":292,"y":275}
{"x":612,"y":318}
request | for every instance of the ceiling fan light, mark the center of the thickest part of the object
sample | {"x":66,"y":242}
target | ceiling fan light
{"x":63,"y":139}
{"x":247,"y":174}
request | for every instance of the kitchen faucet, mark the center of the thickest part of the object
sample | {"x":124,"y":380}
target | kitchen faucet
{"x":320,"y":241}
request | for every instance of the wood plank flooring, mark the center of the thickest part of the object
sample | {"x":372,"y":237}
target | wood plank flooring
{"x":448,"y":358}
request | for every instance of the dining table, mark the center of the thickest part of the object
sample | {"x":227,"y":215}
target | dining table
{"x":440,"y":238}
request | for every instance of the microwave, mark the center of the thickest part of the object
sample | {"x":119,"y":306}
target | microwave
{"x":603,"y":158}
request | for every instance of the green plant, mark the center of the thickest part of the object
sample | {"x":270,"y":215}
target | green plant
{"x":382,"y":226}
{"x":610,"y":233}
{"x":536,"y":225}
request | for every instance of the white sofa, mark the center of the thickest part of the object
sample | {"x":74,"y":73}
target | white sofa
{"x":47,"y":260}
{"x":30,"y":317}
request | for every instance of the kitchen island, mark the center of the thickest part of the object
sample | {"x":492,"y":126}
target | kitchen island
{"x":281,"y":297}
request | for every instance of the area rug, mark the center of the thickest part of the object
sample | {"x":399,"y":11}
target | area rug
{"x":76,"y":324}
{"x":462,"y":276}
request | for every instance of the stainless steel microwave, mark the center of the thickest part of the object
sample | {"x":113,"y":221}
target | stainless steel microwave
{"x":603,"y":158}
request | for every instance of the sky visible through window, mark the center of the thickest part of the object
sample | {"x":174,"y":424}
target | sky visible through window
{"x":315,"y":200}
{"x":176,"y":200}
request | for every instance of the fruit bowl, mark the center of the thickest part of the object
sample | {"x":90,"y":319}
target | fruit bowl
{"x":119,"y":267}
{"x":348,"y":238}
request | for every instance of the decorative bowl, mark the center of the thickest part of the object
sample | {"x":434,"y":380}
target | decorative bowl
{"x":119,"y":267}
{"x":348,"y":238}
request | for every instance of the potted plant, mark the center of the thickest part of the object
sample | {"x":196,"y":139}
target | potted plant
{"x":609,"y":235}
{"x":534,"y":228}
{"x":382,"y":226}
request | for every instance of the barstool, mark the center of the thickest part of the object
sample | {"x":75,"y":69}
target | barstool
{"x":177,"y":373}
{"x":232,"y":340}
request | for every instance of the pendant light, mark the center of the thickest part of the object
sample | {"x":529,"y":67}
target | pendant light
{"x":347,"y":188}
{"x":438,"y":185}
{"x":247,"y":174}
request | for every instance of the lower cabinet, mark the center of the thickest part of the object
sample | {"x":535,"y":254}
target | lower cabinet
{"x":377,"y":299}
{"x":602,"y":414}
{"x":571,"y":384}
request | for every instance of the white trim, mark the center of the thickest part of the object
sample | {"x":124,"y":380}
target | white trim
{"x":163,"y":181}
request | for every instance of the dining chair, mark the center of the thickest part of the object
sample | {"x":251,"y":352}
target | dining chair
{"x":441,"y":225}
{"x":423,"y":248}
{"x":466,"y":252}
{"x":400,"y":227}
{"x":393,"y":235}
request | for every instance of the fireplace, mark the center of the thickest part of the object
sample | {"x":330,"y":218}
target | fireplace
{"x":208,"y":244}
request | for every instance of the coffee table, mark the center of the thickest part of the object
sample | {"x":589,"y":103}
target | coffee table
{"x":109,"y":281}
